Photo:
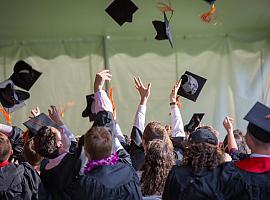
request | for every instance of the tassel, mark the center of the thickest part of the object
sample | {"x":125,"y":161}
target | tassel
{"x":207,"y":17}
{"x":165,"y":7}
{"x":111,"y":98}
{"x":6,"y":115}
{"x":64,"y":108}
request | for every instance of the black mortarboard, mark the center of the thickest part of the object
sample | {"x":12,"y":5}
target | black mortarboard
{"x":259,"y":122}
{"x":35,"y":123}
{"x":210,"y":1}
{"x":24,"y":76}
{"x":10,"y":98}
{"x":89,"y":111}
{"x":191,"y":86}
{"x":203,"y":135}
{"x":163,"y":30}
{"x":194,"y":122}
{"x":121,"y":11}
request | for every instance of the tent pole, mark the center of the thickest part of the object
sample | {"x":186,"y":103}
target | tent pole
{"x":105,"y":57}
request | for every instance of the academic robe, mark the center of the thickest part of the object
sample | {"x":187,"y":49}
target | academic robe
{"x":248,"y":179}
{"x":20,"y":182}
{"x":112,"y":182}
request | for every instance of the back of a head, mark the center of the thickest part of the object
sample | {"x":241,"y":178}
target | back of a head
{"x":202,"y":150}
{"x":159,"y":159}
{"x":98,"y":143}
{"x":45,"y":142}
{"x":154,"y":130}
{"x":5,"y":147}
{"x":260,"y":138}
{"x":29,"y":153}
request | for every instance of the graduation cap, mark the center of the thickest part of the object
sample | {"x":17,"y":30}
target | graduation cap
{"x":259,"y":122}
{"x":36,"y":123}
{"x":89,"y":111}
{"x":191,"y":86}
{"x":10,"y":98}
{"x":163,"y":30}
{"x":121,"y":11}
{"x":194,"y":122}
{"x":24,"y":76}
{"x":210,"y":1}
{"x":203,"y":135}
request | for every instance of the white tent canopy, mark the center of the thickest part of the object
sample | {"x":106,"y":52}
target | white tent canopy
{"x":69,"y":41}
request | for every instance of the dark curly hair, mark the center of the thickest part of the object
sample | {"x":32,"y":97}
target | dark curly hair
{"x":45,"y":142}
{"x":159,"y":160}
{"x":201,"y":155}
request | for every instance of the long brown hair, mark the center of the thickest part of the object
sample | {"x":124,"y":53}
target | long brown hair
{"x":201,"y":155}
{"x":159,"y":160}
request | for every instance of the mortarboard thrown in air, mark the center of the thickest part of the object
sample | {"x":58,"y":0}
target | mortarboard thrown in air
{"x":210,"y":1}
{"x":259,"y":122}
{"x":36,"y":123}
{"x":89,"y":111}
{"x":194,"y":122}
{"x":122,"y":11}
{"x":191,"y":86}
{"x":24,"y":76}
{"x":163,"y":30}
{"x":10,"y":98}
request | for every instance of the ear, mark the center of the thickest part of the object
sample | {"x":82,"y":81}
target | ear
{"x":59,"y":144}
{"x":11,"y":152}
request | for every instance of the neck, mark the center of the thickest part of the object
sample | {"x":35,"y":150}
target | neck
{"x":261,"y":151}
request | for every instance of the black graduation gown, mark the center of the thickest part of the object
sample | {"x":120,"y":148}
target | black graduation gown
{"x":16,"y":141}
{"x":183,"y":183}
{"x":20,"y":182}
{"x":114,"y":182}
{"x":226,"y":182}
{"x":59,"y":180}
{"x":241,"y":184}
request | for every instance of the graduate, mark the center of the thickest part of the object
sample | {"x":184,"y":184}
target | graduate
{"x":249,"y":178}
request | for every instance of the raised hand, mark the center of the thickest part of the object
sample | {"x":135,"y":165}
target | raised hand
{"x":35,"y":112}
{"x":143,"y":91}
{"x":173,"y":95}
{"x":100,"y":79}
{"x":55,"y":115}
{"x":228,"y":124}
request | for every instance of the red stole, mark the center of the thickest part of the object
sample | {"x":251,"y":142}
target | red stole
{"x":3,"y":164}
{"x":254,"y":165}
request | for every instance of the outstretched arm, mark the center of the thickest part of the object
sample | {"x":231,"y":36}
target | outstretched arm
{"x":177,"y":122}
{"x":227,"y":123}
{"x":55,"y":115}
{"x":139,"y":121}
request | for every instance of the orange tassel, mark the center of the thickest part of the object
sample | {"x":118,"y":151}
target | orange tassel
{"x":178,"y":102}
{"x":6,"y":115}
{"x":111,"y":98}
{"x":164,"y":7}
{"x":207,"y":17}
{"x":64,"y":108}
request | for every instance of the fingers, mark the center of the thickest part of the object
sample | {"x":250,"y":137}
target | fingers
{"x":140,"y":82}
{"x":149,"y":86}
{"x":137,"y":84}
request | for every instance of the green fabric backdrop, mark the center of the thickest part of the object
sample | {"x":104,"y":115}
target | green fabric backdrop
{"x":237,"y":69}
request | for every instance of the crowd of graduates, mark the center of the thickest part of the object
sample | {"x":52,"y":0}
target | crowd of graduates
{"x":157,"y":162}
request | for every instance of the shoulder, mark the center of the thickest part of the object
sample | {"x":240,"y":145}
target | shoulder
{"x":116,"y":175}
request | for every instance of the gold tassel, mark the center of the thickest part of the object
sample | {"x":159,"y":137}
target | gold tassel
{"x":163,"y":7}
{"x":207,"y":17}
{"x":6,"y":115}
